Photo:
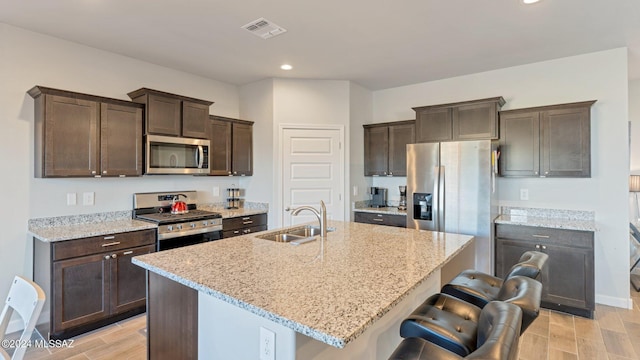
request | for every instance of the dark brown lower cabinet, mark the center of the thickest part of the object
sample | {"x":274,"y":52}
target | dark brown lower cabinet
{"x":87,"y":289}
{"x":171,"y":334}
{"x":568,"y":277}
{"x":243,"y":225}
{"x":380,"y":219}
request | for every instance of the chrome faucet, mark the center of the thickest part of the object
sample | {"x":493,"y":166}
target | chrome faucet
{"x":321,"y":215}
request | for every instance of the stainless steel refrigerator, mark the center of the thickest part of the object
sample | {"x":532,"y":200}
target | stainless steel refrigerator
{"x":451,"y":188}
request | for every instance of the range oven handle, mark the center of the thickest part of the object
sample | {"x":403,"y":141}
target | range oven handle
{"x":188,"y":232}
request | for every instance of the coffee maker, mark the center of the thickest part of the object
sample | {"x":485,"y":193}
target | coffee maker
{"x":378,"y":197}
{"x":402,"y":205}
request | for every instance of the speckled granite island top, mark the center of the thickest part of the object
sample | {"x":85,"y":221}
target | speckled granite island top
{"x":331,"y":295}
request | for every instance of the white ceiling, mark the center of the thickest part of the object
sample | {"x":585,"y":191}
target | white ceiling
{"x":376,"y":43}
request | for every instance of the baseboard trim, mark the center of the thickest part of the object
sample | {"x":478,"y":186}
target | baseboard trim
{"x":614,"y":301}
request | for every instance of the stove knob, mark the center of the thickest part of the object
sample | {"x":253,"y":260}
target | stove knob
{"x":179,"y":227}
{"x":193,"y":225}
{"x":205,"y":223}
{"x":169,"y":227}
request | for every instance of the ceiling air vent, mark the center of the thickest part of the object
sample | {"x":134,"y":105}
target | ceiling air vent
{"x":264,"y":28}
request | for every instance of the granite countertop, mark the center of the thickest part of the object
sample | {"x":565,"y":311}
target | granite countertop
{"x":332,"y":294}
{"x":61,"y":232}
{"x":80,"y":226}
{"x":550,"y":218}
{"x":231,"y":213}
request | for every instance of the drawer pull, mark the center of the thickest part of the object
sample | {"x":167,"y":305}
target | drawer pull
{"x":109,"y":237}
{"x":111,"y":244}
{"x":380,"y":220}
{"x":246,"y":218}
{"x":540,"y":236}
{"x":236,"y":231}
{"x":127,"y":253}
{"x":247,"y":222}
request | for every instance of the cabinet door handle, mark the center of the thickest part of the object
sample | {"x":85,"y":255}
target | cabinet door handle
{"x":540,"y":236}
{"x":246,"y":231}
{"x":111,"y":244}
{"x":113,"y":256}
{"x":544,"y":247}
{"x":537,"y":246}
{"x":104,"y":171}
{"x":127,"y":253}
{"x":107,"y":257}
{"x":380,"y":220}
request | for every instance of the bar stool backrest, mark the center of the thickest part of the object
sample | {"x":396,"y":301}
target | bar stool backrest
{"x":529,"y":265}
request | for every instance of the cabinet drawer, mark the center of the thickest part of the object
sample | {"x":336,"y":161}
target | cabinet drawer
{"x":238,"y":232}
{"x":244,"y":222}
{"x":544,"y":235}
{"x":98,"y":244}
{"x":380,"y":219}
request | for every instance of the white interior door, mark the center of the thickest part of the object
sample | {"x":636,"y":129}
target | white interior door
{"x":312,"y":164}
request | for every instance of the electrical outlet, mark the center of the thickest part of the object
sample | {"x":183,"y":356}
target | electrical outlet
{"x":71,"y":199}
{"x":216,"y":191}
{"x":355,"y":191}
{"x":88,"y":199}
{"x":524,"y":194}
{"x":267,"y":344}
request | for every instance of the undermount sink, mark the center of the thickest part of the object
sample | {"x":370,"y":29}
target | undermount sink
{"x":295,"y":236}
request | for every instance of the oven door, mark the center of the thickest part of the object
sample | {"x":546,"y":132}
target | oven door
{"x":181,"y":241}
{"x":173,"y":155}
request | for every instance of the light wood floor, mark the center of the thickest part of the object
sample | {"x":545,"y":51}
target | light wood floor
{"x":614,"y":334}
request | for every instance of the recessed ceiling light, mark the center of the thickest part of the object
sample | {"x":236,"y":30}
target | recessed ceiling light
{"x":286,"y":67}
{"x":530,"y":1}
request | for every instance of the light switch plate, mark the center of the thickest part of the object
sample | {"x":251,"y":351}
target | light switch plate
{"x":524,"y":194}
{"x":88,"y":198}
{"x":71,"y":199}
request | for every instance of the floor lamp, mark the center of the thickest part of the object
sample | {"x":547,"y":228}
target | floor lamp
{"x":634,"y":187}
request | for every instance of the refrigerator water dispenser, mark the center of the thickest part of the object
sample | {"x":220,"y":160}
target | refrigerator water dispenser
{"x":422,"y":206}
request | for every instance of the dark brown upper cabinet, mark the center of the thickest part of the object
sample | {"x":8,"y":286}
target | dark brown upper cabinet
{"x":81,"y":135}
{"x":546,"y":141}
{"x":385,"y":148}
{"x":468,"y":120}
{"x":173,"y":115}
{"x":231,"y":152}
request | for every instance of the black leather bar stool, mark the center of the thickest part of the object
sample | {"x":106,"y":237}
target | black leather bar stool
{"x":497,"y":337}
{"x":479,"y":288}
{"x":452,"y":323}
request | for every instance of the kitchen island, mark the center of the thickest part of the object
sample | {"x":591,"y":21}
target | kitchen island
{"x":345,"y":299}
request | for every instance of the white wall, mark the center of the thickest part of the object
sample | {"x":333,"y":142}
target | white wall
{"x":361,"y":112}
{"x":598,"y":76}
{"x":256,"y":103}
{"x":28,"y":59}
{"x":308,"y":102}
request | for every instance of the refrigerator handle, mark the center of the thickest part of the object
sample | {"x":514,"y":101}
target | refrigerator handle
{"x":441,"y":200}
{"x":435,"y":206}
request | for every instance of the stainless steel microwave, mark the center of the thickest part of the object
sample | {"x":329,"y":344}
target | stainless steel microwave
{"x":175,"y":155}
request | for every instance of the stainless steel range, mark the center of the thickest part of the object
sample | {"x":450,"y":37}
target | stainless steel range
{"x":188,"y":227}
